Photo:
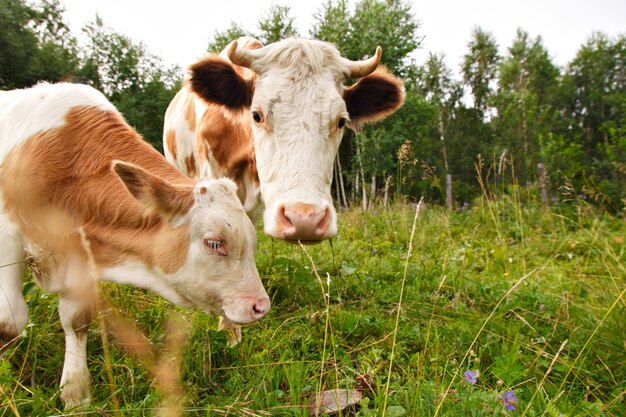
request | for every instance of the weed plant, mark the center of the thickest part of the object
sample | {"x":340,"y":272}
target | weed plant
{"x":528,"y":299}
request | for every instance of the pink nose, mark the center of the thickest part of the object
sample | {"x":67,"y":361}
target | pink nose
{"x":260,"y":307}
{"x":304,"y":222}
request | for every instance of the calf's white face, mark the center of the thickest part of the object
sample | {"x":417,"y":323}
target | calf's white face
{"x":219,"y":275}
{"x":299,"y":108}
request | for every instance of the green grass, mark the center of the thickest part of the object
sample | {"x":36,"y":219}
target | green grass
{"x":532,"y":298}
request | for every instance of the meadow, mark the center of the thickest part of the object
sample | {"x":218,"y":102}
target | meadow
{"x":502,"y":308}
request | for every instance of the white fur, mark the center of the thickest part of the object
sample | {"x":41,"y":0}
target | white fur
{"x":295,"y":155}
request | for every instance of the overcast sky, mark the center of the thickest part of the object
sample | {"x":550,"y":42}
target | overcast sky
{"x":179,"y":30}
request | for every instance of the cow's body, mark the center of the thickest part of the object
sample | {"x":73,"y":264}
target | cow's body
{"x":86,"y":198}
{"x":272,"y":119}
{"x":209,"y":140}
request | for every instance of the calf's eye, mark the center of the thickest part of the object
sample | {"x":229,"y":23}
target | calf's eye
{"x":216,"y":246}
{"x":341,"y":123}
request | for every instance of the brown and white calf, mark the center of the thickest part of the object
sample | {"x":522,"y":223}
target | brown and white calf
{"x":272,"y":118}
{"x":73,"y":176}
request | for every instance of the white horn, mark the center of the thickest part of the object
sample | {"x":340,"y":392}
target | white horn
{"x":365,"y":67}
{"x":239,"y":56}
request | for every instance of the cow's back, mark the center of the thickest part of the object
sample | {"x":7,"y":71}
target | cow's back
{"x":58,"y":142}
{"x":179,"y":134}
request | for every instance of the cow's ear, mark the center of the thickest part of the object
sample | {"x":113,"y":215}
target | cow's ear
{"x":373,"y":97}
{"x":215,"y":80}
{"x":155,"y":195}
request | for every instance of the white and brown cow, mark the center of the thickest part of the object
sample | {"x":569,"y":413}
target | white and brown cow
{"x":271,"y":118}
{"x":85,"y":197}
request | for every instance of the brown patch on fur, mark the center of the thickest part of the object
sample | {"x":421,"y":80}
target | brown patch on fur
{"x":61,"y":179}
{"x":216,"y":81}
{"x":189,"y":110}
{"x":170,"y":139}
{"x":190,"y":164}
{"x":81,"y":321}
{"x":230,"y":140}
{"x":8,"y":333}
{"x":373,"y":97}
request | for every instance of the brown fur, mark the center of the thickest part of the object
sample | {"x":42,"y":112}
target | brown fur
{"x":170,"y":139}
{"x":190,"y":164}
{"x":61,"y":179}
{"x":8,"y":334}
{"x":190,"y":113}
{"x":81,"y":321}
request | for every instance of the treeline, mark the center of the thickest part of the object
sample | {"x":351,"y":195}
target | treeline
{"x":497,"y":116}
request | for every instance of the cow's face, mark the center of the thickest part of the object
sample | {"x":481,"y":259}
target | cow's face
{"x":299,"y":109}
{"x":219,"y":274}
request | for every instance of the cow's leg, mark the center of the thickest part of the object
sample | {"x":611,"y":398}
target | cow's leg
{"x":13,"y":308}
{"x":75,"y":313}
{"x":233,"y":329}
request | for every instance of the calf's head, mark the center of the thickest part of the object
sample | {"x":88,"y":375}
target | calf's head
{"x":218,"y":274}
{"x":298,"y":109}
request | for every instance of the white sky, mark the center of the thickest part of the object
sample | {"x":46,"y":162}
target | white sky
{"x":179,"y":30}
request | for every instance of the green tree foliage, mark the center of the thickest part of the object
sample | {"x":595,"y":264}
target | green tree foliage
{"x":276,"y":25}
{"x":133,"y":79}
{"x":528,"y":81}
{"x":35,"y":44}
{"x":480,"y":67}
{"x":223,"y":38}
{"x":591,"y":147}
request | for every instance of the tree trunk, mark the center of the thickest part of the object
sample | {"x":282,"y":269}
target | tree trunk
{"x":373,"y":191}
{"x":386,"y":192}
{"x":449,"y":191}
{"x":342,"y":188}
{"x":541,"y":171}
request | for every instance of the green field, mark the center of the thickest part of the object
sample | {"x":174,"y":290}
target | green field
{"x":530,"y":298}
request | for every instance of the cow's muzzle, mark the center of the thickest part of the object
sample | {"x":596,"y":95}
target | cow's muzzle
{"x":307,"y":223}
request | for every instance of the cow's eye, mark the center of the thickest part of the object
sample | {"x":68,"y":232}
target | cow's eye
{"x":257,"y":116}
{"x":216,"y":245}
{"x":341,"y":123}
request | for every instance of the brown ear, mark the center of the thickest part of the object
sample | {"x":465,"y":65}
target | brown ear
{"x":216,"y":81}
{"x":153,"y":194}
{"x":373,"y":97}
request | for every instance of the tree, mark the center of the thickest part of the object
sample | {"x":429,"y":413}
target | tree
{"x":332,"y":24}
{"x":133,"y":79}
{"x":527,"y":85}
{"x":480,"y":67}
{"x":222,"y":39}
{"x":35,"y":44}
{"x":593,"y":97}
{"x":276,"y":25}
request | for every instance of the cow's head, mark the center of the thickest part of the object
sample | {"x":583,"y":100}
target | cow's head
{"x":299,"y":108}
{"x":218,"y":273}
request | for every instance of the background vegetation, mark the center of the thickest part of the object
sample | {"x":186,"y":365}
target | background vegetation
{"x":518,"y":108}
{"x":528,"y":298}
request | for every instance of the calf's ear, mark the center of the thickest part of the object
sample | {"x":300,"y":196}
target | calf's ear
{"x":373,"y":97}
{"x":155,"y":195}
{"x":215,"y":81}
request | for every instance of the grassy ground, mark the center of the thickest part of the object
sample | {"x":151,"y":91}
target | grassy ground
{"x":531,"y":299}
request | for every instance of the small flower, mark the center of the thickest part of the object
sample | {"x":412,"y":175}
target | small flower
{"x":470,"y":376}
{"x":542,"y":307}
{"x":509,"y":400}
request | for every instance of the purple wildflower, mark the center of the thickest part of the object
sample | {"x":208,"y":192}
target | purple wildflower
{"x":470,"y":376}
{"x":509,"y":400}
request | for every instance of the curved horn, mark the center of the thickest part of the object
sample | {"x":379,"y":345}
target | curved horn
{"x":365,"y":67}
{"x":239,"y":56}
